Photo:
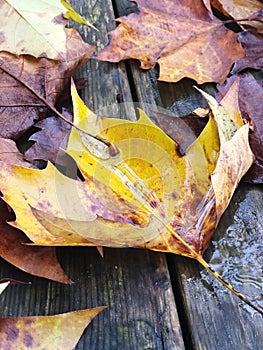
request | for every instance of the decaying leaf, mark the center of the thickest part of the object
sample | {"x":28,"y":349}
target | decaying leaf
{"x":10,"y":154}
{"x":181,"y":36}
{"x":52,"y":136}
{"x":26,"y":82}
{"x":138,"y":190}
{"x":45,"y":332}
{"x":37,"y":261}
{"x":250,"y":92}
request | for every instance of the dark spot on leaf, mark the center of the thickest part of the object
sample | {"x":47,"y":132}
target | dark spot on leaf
{"x":60,"y":19}
{"x":93,"y":208}
{"x":174,"y":195}
{"x":28,"y":340}
{"x":28,"y":321}
{"x":2,"y":37}
{"x":154,"y":203}
{"x":12,"y":333}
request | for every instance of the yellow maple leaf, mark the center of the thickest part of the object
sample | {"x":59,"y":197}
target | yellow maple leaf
{"x":139,"y":191}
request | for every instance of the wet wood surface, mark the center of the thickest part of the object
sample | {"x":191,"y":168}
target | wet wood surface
{"x":154,"y":301}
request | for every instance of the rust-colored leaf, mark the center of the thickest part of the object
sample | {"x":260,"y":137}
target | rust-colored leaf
{"x":26,"y":82}
{"x":37,"y":261}
{"x":60,"y":331}
{"x":181,"y":36}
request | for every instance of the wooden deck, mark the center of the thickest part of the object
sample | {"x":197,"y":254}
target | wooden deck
{"x":155,"y":301}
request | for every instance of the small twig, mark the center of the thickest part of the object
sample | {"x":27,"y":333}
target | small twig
{"x":23,"y":105}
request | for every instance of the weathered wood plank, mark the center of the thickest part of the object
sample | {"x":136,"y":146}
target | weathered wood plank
{"x":105,"y":81}
{"x":134,"y":284}
{"x":216,"y":318}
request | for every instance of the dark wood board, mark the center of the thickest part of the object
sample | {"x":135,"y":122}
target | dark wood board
{"x":215,"y":318}
{"x":133,"y":284}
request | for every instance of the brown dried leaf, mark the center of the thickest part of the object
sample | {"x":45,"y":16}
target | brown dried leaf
{"x":22,"y":76}
{"x":52,"y":136}
{"x":10,"y":154}
{"x":181,"y":36}
{"x":60,"y":331}
{"x":37,"y":261}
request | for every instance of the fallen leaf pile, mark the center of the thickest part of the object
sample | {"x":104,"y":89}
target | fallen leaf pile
{"x":139,"y":187}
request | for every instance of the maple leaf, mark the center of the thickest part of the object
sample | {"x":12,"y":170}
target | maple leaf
{"x":39,"y":82}
{"x":60,"y":331}
{"x":138,"y":190}
{"x":182,"y":37}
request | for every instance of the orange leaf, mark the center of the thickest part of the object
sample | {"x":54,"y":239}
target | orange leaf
{"x":181,"y":36}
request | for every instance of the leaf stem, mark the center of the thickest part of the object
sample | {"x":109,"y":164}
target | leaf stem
{"x":113,"y":148}
{"x":228,"y":285}
{"x":194,"y":255}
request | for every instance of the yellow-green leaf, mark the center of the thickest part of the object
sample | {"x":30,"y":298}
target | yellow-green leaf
{"x":72,"y":14}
